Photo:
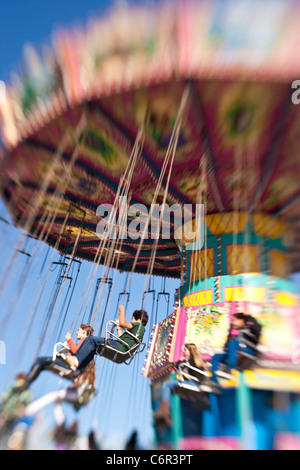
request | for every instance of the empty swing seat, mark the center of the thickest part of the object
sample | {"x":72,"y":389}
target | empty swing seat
{"x":115,"y":355}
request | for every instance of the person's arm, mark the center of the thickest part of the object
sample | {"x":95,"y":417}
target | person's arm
{"x":71,"y":344}
{"x":119,"y":329}
{"x":123,"y":323}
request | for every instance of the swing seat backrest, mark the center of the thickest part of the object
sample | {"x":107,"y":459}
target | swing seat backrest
{"x":63,"y":352}
{"x":191,"y":373}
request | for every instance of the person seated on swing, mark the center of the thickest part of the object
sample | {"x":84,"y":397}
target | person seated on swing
{"x":12,"y":406}
{"x":243,"y":337}
{"x":191,"y":357}
{"x":68,"y":363}
{"x":85,"y":350}
{"x":92,"y":344}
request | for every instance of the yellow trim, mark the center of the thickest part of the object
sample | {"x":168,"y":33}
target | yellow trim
{"x":279,"y":265}
{"x":220,"y":223}
{"x":197,"y":261}
{"x":273,"y":379}
{"x":249,"y":294}
{"x":266,"y":379}
{"x":198,"y":298}
{"x":285,"y":299}
{"x":242,"y":258}
{"x":268,"y":226}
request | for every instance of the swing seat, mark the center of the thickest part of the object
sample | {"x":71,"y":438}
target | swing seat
{"x":193,"y":394}
{"x":196,"y":393}
{"x":65,"y":354}
{"x":247,"y":361}
{"x":62,"y":371}
{"x":115,"y":355}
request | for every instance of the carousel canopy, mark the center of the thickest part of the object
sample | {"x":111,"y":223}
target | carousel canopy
{"x":73,"y":112}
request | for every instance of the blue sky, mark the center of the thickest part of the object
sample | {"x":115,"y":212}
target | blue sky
{"x":34,"y":21}
{"x":123,"y":400}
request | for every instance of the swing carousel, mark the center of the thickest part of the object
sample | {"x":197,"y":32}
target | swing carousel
{"x":184,"y":105}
